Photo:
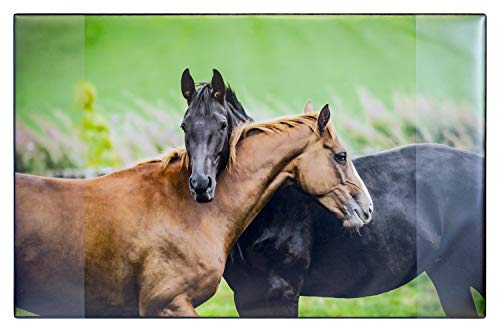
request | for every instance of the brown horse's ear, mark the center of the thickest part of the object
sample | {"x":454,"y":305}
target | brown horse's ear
{"x":309,"y":107}
{"x":218,"y":86}
{"x":323,"y":118}
{"x":187,"y":85}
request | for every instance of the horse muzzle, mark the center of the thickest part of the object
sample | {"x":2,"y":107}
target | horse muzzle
{"x":358,"y":214}
{"x":202,"y":188}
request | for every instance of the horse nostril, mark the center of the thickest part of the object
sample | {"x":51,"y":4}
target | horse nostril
{"x":200,"y":183}
{"x":370,"y":209}
{"x":209,"y":182}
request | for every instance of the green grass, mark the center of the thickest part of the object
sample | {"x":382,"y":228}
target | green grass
{"x":23,"y":313}
{"x":220,"y":305}
{"x":416,"y":299}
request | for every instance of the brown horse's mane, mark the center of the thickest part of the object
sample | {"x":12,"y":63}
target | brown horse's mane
{"x":274,"y":126}
{"x":175,"y":154}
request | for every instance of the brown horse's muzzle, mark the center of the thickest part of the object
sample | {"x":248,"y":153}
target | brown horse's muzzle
{"x":350,"y":203}
{"x":360,"y":213}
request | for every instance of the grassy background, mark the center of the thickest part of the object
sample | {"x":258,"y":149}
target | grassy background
{"x":392,"y":80}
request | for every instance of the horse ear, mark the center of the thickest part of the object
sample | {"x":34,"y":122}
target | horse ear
{"x":218,"y":86}
{"x":323,"y":118}
{"x":309,"y":107}
{"x":187,"y":85}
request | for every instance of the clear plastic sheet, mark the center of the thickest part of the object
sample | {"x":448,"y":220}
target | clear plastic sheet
{"x":447,"y":255}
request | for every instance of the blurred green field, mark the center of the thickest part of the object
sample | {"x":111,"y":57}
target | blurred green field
{"x":385,"y":77}
{"x":391,"y":80}
{"x":270,"y":60}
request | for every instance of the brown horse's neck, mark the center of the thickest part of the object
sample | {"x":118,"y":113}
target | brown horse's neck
{"x":263,"y":163}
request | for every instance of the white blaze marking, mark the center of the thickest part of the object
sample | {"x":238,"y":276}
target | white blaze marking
{"x":363,"y":187}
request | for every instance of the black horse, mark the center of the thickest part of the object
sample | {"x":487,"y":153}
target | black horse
{"x":429,"y":216}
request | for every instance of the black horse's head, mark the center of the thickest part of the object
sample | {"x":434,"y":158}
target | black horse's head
{"x":213,"y":111}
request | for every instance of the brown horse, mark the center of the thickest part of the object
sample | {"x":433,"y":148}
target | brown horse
{"x":134,"y":242}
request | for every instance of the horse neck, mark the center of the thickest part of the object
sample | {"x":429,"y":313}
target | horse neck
{"x":263,"y":163}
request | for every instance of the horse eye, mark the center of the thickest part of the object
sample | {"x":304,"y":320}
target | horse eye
{"x":223,"y":125}
{"x":340,"y":157}
{"x":183,"y":127}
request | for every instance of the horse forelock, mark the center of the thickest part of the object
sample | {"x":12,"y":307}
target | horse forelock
{"x":201,"y":103}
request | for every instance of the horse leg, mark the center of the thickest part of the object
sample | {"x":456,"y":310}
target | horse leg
{"x":250,"y":297}
{"x":271,"y":296}
{"x":257,"y":298}
{"x":460,"y":267}
{"x":454,"y":295}
{"x":159,"y":296}
{"x":163,"y":306}
{"x":261,"y":307}
{"x":179,"y":307}
{"x":283,"y":296}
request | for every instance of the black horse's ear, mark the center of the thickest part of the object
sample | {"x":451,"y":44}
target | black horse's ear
{"x":323,"y":118}
{"x":187,"y":85}
{"x":218,"y":86}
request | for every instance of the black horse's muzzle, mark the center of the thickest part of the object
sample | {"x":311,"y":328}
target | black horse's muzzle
{"x":202,"y":188}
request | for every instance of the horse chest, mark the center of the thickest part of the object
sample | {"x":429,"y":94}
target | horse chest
{"x":192,"y":266}
{"x":201,"y":273}
{"x":203,"y":286}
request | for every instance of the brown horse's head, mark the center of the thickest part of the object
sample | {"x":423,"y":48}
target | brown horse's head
{"x":325,"y":170}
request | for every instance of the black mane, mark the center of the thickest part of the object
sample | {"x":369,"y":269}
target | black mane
{"x":233,"y":101}
{"x":237,"y":112}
